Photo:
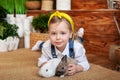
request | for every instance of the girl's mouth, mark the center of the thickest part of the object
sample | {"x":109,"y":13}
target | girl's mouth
{"x":58,"y":43}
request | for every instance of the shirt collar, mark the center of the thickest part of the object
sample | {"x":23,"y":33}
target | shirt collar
{"x":65,"y":52}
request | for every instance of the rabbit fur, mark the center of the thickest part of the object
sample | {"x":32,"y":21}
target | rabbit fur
{"x":49,"y":69}
{"x":61,"y":69}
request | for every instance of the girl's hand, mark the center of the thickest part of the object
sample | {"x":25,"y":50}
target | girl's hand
{"x":72,"y":69}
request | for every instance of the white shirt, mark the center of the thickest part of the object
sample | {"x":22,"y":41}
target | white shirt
{"x":79,"y":51}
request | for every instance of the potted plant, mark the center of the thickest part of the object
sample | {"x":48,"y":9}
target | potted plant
{"x":3,"y":12}
{"x":40,"y":23}
{"x":8,"y":34}
{"x":33,"y":4}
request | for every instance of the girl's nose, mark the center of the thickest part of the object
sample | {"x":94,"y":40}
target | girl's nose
{"x":57,"y":36}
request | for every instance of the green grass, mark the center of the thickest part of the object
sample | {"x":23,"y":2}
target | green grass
{"x":11,"y":5}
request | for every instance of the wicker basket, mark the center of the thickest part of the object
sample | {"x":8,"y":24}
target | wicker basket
{"x":47,"y":5}
{"x":34,"y":37}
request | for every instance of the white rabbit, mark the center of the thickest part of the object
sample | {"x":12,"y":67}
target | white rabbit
{"x":49,"y":69}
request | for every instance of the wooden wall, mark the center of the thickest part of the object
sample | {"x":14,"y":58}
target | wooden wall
{"x":99,"y":25}
{"x":100,"y":28}
{"x":88,"y":4}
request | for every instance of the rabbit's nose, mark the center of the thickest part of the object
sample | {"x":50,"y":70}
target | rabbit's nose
{"x":59,"y":73}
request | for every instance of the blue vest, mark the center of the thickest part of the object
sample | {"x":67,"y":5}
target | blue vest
{"x":71,"y":50}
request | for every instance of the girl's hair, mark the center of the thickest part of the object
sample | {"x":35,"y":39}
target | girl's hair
{"x":60,"y":15}
{"x":56,"y":19}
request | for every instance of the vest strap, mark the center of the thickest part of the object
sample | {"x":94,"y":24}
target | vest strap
{"x":53,"y":51}
{"x":80,"y":39}
{"x":71,"y":49}
{"x":41,"y":45}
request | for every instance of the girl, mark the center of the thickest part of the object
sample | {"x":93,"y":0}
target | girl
{"x":61,"y":29}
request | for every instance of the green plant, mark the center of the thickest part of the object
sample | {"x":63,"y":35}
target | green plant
{"x":7,"y":30}
{"x":14,"y":6}
{"x":33,"y":0}
{"x":3,"y":12}
{"x":40,"y":23}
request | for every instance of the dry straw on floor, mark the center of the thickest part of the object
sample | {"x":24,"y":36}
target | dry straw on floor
{"x":34,"y":37}
{"x":21,"y":64}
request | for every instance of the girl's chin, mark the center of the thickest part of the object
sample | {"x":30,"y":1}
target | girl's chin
{"x":59,"y":46}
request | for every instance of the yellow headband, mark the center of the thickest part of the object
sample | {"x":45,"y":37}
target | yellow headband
{"x":62,"y":15}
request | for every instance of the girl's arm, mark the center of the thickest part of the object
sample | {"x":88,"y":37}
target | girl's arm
{"x":80,"y":57}
{"x":79,"y":68}
{"x":43,"y":58}
{"x":45,"y":54}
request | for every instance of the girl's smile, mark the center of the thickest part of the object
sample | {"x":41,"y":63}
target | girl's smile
{"x":58,"y":43}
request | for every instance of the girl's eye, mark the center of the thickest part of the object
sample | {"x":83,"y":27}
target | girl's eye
{"x":53,"y":33}
{"x":63,"y":33}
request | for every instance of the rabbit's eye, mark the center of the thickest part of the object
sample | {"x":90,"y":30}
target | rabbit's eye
{"x":62,"y":67}
{"x":46,"y":70}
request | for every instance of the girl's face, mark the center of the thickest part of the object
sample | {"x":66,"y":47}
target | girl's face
{"x":59,"y":34}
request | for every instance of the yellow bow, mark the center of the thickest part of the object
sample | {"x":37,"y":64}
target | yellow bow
{"x":64,"y":15}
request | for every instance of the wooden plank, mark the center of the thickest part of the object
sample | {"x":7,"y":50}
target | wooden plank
{"x":88,"y":4}
{"x":99,"y":25}
{"x":117,"y":53}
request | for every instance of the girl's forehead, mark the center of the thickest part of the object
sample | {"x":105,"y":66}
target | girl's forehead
{"x":60,"y":25}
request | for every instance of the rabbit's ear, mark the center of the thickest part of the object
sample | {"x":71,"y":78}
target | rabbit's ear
{"x":64,"y":59}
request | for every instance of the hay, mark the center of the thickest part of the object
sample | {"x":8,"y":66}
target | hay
{"x":22,"y":65}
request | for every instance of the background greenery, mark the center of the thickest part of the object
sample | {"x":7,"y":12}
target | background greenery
{"x":14,"y":5}
{"x":40,"y":23}
{"x":6,"y":29}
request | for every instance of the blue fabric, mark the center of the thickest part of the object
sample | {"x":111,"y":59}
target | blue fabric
{"x":80,"y":39}
{"x":71,"y":49}
{"x":53,"y":52}
{"x":41,"y":45}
